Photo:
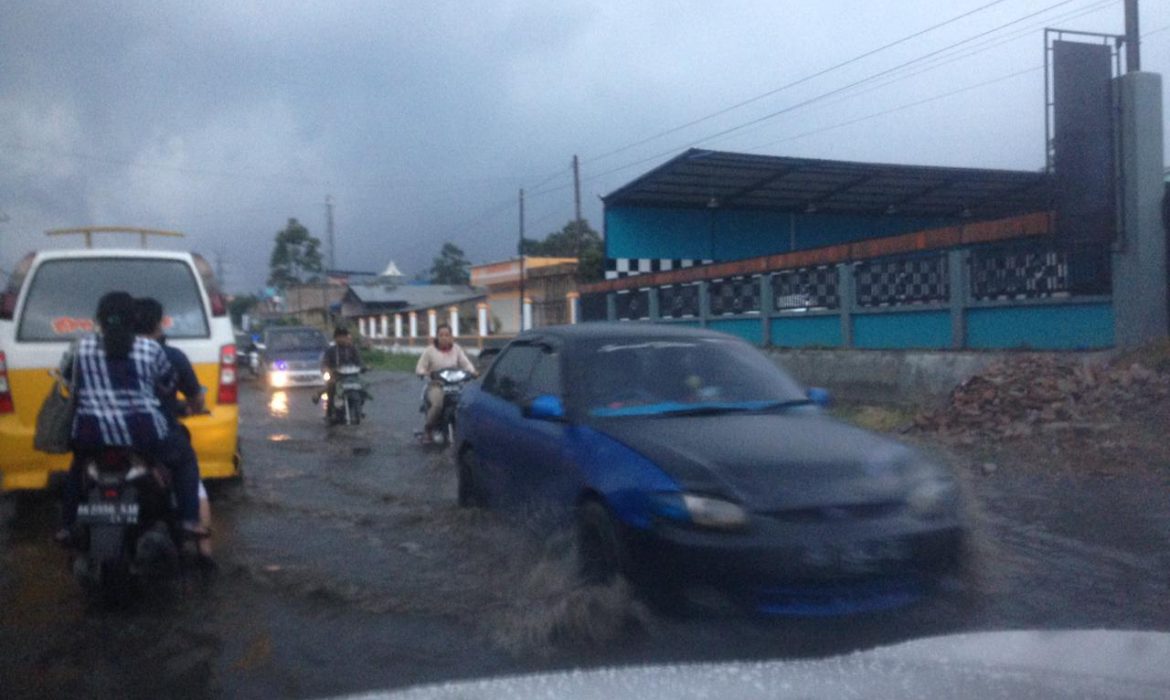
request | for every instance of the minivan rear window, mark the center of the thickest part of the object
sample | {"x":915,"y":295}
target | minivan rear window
{"x":63,"y":296}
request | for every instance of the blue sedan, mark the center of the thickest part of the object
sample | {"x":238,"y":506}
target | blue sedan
{"x":689,"y":463}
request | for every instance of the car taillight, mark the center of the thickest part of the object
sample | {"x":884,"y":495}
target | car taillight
{"x":228,"y":387}
{"x":6,"y":405}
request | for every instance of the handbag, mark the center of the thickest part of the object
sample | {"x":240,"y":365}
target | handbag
{"x":55,"y":418}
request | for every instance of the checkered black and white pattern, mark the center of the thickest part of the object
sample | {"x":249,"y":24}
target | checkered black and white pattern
{"x":616,"y":268}
{"x":805,"y":288}
{"x":632,"y":304}
{"x":734,"y":295}
{"x":1019,"y":273}
{"x":678,"y":300}
{"x":894,"y":281}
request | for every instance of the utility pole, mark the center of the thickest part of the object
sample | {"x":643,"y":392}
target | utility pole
{"x":1133,"y":58}
{"x":577,"y":209}
{"x":520,"y":323}
{"x":329,"y":230}
{"x":219,"y":267}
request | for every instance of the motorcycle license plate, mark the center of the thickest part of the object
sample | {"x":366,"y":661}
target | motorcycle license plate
{"x":107,"y":514}
{"x":351,"y":387}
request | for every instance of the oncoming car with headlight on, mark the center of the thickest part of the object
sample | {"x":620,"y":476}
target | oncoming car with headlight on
{"x":689,"y":462}
{"x":291,"y":357}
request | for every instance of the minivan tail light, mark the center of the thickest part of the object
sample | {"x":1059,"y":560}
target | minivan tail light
{"x":6,"y":405}
{"x":229,"y":390}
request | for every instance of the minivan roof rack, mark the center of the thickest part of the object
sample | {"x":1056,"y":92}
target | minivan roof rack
{"x":88,"y":232}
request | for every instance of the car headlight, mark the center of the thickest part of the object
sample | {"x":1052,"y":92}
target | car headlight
{"x":278,"y":379}
{"x":932,"y":492}
{"x":703,"y":511}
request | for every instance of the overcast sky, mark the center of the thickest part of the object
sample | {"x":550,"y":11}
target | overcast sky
{"x":422,"y":120}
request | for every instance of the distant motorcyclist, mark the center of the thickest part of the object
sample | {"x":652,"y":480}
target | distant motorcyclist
{"x":341,"y":353}
{"x":445,"y":353}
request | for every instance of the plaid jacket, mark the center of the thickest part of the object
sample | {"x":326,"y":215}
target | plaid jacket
{"x":117,"y":400}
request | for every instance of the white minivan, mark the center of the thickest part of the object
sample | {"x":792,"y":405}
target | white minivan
{"x":51,"y":298}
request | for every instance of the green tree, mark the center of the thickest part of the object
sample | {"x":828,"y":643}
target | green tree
{"x":575,"y":240}
{"x":451,"y":266}
{"x":296,"y":257}
{"x":241,"y":305}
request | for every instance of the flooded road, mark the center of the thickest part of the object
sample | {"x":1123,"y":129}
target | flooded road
{"x":346,"y":566}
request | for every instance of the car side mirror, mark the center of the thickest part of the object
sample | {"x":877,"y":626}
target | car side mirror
{"x":820,"y":396}
{"x":545,"y":407}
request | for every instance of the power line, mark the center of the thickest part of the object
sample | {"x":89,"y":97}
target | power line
{"x":832,"y":92}
{"x":794,"y":83}
{"x":909,"y":105}
{"x":958,"y":56}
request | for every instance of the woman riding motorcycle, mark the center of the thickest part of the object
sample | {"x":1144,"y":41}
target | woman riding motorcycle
{"x":117,"y":383}
{"x":444,"y":354}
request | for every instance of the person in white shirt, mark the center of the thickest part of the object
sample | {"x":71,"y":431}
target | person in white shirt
{"x":444,"y":353}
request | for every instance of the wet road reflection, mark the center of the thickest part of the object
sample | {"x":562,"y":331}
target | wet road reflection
{"x":278,"y":404}
{"x":351,"y":532}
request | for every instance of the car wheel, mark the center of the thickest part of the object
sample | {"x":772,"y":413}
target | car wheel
{"x":599,"y":547}
{"x":469,"y":493}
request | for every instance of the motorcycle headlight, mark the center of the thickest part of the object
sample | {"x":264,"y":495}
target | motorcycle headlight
{"x":703,"y":511}
{"x":326,"y":375}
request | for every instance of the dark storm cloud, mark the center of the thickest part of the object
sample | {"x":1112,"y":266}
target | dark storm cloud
{"x":423,"y":119}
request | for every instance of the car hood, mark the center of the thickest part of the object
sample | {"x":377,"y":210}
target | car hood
{"x":1028,"y":663}
{"x":770,"y":461}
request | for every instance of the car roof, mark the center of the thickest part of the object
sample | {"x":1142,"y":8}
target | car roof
{"x":618,"y":330}
{"x":72,"y":253}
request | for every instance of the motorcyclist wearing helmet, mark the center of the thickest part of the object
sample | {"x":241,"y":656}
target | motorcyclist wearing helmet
{"x":342,"y":352}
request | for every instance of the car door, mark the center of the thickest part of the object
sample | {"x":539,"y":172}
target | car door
{"x":535,"y":458}
{"x":493,"y":422}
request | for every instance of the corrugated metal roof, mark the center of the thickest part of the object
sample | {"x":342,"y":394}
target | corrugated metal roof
{"x":716,"y":179}
{"x":408,"y":297}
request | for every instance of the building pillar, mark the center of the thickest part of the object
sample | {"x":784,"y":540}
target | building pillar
{"x":846,"y":302}
{"x":397,"y":326}
{"x":385,"y":332}
{"x":432,"y":322}
{"x":574,"y":300}
{"x":526,"y":318}
{"x":453,"y":314}
{"x":481,"y":312}
{"x":1139,"y":260}
{"x":413,"y":325}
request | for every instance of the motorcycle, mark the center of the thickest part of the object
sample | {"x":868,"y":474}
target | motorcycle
{"x":349,"y":396}
{"x":452,"y":381}
{"x":126,"y":527}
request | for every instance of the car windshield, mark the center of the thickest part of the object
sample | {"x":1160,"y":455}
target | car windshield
{"x":63,"y":295}
{"x":296,"y":340}
{"x":661,"y":376}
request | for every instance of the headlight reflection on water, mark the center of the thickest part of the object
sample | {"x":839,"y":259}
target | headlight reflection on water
{"x":278,"y":404}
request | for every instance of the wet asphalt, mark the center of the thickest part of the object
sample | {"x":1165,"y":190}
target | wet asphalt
{"x":345,"y":566}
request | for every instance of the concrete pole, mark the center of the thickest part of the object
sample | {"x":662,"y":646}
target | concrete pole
{"x":453,"y":315}
{"x":432,"y":322}
{"x":385,"y":327}
{"x":574,"y":299}
{"x":1139,"y":260}
{"x":526,"y":321}
{"x":481,"y":311}
{"x":397,"y":326}
{"x":413,"y":325}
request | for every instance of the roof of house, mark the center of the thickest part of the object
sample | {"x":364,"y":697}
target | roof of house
{"x":411,"y":297}
{"x":715,"y":179}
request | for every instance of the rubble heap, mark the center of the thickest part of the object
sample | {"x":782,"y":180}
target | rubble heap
{"x":1034,"y":394}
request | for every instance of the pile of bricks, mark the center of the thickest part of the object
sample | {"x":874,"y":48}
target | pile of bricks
{"x":1030,"y":395}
